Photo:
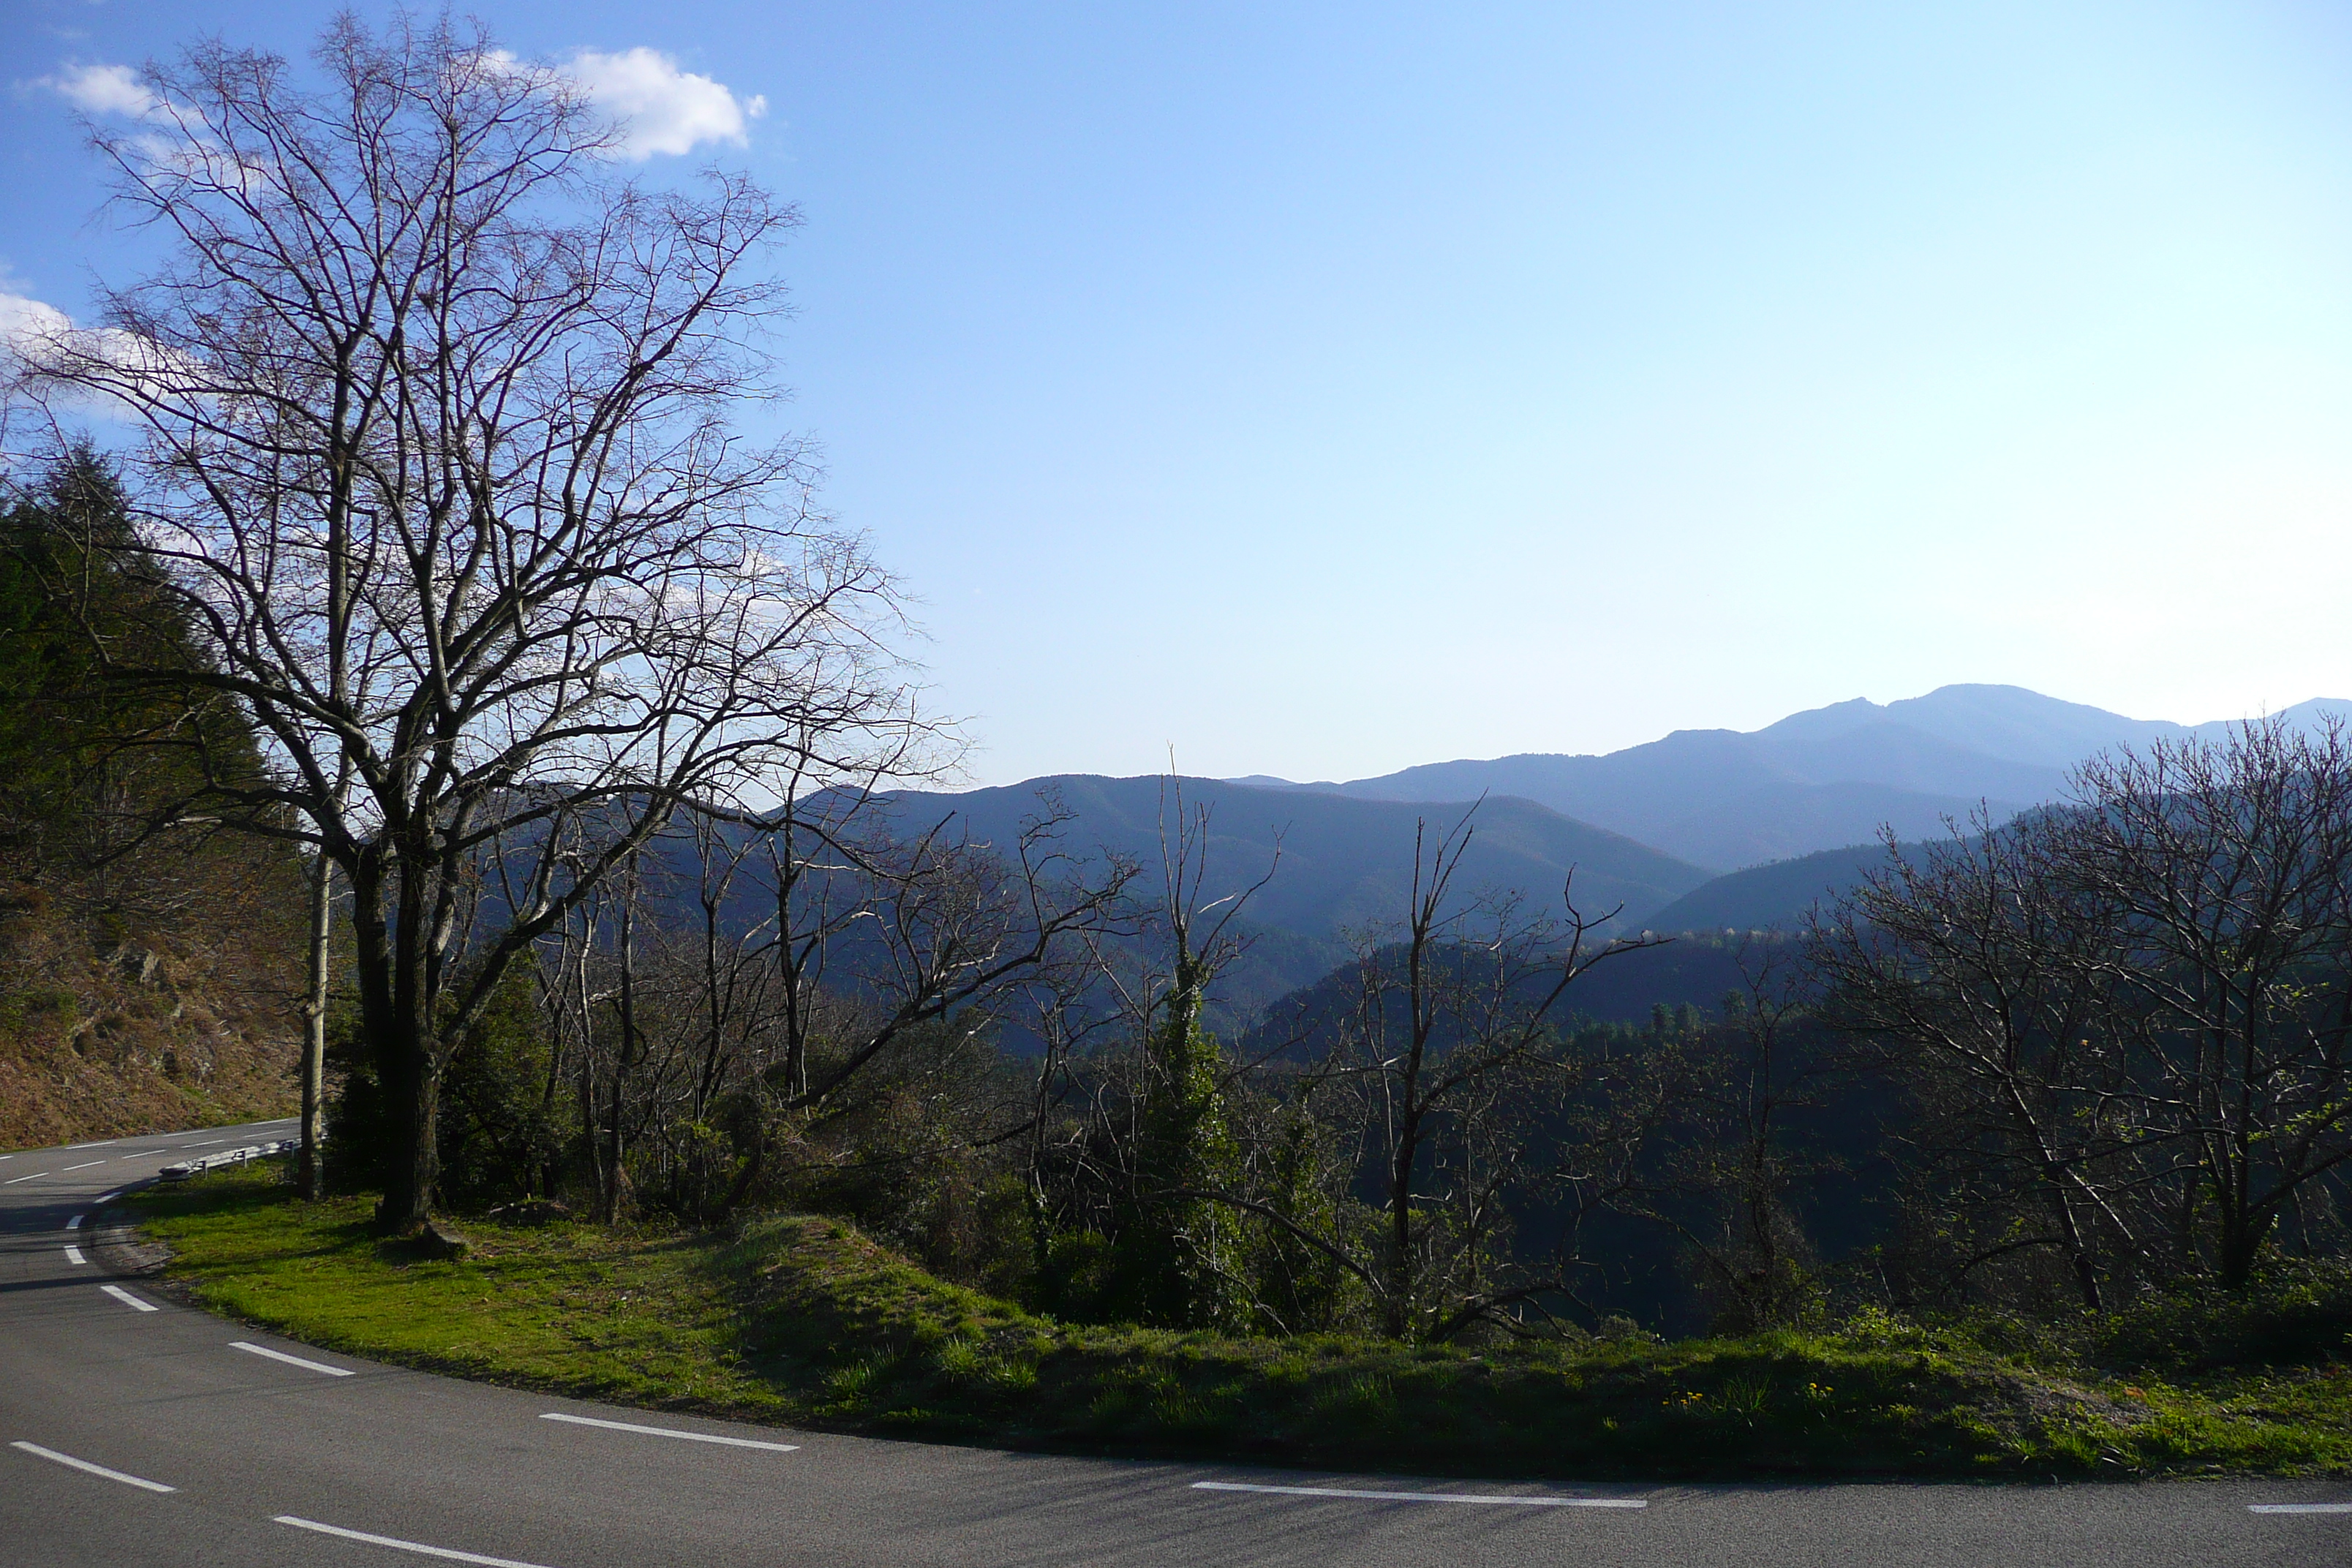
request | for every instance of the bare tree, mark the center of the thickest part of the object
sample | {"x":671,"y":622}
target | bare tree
{"x":2137,"y":1010}
{"x":1965,"y":960}
{"x":434,"y":447}
{"x":1459,"y":1015}
{"x":1446,"y":1056}
{"x":876,"y":941}
{"x":2225,"y":873}
{"x":1698,"y":1134}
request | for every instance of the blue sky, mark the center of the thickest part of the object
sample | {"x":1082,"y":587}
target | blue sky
{"x":1323,"y":389}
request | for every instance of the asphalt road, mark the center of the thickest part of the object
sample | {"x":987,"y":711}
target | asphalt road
{"x":209,"y":1451}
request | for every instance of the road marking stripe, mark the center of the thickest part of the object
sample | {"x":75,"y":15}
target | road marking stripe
{"x":1501,"y":1498}
{"x":108,"y":1197}
{"x":74,"y":1223}
{"x":2299,"y":1508}
{"x":127,"y":1298}
{"x":399,"y":1545}
{"x":289,"y":1359}
{"x":70,"y":1462}
{"x":14,"y":1180}
{"x":73,"y":1254}
{"x":85,"y":1166}
{"x":1505,"y":1499}
{"x":101,"y":1143}
{"x":671,"y":1432}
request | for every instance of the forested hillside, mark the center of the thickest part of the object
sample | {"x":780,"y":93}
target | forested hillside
{"x":1773,"y":897}
{"x":149,"y":963}
{"x":1343,"y":862}
{"x":1331,"y":868}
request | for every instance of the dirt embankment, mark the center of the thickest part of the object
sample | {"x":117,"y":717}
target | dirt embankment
{"x":108,"y":1030}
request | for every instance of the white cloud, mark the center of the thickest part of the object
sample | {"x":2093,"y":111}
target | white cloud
{"x":659,"y":107}
{"x":24,"y":320}
{"x":104,"y":90}
{"x":36,"y":338}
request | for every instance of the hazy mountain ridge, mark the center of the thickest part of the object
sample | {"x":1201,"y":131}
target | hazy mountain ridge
{"x":1822,"y":779}
{"x":1798,"y":805}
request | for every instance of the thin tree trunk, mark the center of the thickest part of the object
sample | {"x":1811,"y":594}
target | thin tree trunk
{"x":615,"y":1183}
{"x":314,"y":1028}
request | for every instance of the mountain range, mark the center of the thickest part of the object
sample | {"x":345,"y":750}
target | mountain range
{"x":1702,"y":831}
{"x":1822,"y":779}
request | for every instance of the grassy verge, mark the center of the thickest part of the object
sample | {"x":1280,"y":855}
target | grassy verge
{"x":803,"y":1321}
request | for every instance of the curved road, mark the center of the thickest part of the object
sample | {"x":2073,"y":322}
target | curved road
{"x":135,"y":1432}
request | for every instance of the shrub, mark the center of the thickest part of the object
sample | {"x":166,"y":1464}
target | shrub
{"x":2294,"y":1313}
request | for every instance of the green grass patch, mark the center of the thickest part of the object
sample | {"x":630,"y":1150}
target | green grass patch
{"x":804,"y":1320}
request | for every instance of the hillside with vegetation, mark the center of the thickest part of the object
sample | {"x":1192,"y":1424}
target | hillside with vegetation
{"x":150,"y":963}
{"x":808,"y":1322}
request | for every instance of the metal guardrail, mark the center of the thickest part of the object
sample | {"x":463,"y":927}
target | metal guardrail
{"x":189,"y":1169}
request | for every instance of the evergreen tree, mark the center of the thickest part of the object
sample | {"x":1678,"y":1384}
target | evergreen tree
{"x":1179,"y":1252}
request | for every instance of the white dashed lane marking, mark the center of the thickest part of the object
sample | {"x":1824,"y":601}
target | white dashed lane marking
{"x":127,"y":1298}
{"x":252,"y":1349}
{"x":73,"y":1254}
{"x":1506,"y":1499}
{"x":87,"y":1467}
{"x":399,"y":1545}
{"x":2299,"y":1508}
{"x":671,"y":1432}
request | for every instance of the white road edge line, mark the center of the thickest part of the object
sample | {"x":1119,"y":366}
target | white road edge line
{"x":74,"y":1223}
{"x":1505,"y":1499}
{"x":108,"y":1197}
{"x":71,"y":1463}
{"x":250,"y":1346}
{"x":85,"y":1166}
{"x":399,"y":1545}
{"x":127,"y":1298}
{"x":2299,"y":1508}
{"x":101,"y":1143}
{"x":671,"y":1432}
{"x":73,"y":1254}
{"x":14,"y":1180}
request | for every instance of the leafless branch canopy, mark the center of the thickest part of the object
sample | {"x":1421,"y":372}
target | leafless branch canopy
{"x":436,"y":442}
